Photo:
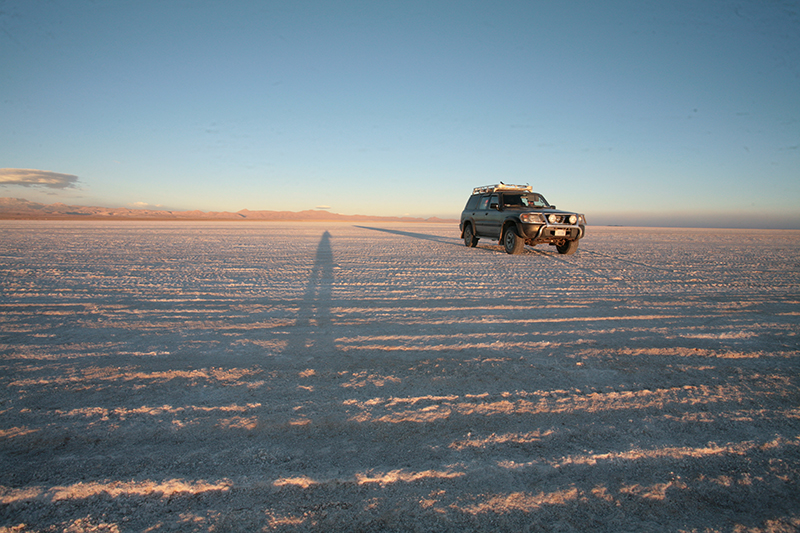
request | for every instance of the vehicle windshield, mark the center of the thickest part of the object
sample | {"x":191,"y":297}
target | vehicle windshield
{"x":520,"y":201}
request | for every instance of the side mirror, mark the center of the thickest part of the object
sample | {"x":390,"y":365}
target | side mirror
{"x":494,"y":205}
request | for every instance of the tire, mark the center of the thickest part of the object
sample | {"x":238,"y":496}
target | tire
{"x":568,"y":248}
{"x":470,"y":240}
{"x":513,"y":243}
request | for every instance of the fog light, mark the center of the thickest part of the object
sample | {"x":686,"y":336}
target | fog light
{"x":552,"y":219}
{"x":573,"y":219}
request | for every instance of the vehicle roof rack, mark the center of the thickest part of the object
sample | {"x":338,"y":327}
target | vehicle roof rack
{"x":502,"y":187}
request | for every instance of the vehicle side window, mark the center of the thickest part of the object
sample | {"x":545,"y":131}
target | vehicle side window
{"x":472,"y":202}
{"x":494,"y":199}
{"x":484,"y":203}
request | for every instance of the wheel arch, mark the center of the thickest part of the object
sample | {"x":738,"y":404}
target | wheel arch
{"x":510,"y":223}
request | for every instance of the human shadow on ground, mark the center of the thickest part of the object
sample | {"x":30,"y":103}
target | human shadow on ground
{"x":312,"y":330}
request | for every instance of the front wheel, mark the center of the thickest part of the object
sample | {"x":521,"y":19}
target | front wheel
{"x":513,"y":243}
{"x":470,"y":240}
{"x":568,"y":248}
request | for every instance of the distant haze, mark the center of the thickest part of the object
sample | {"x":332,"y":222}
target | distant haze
{"x":21,"y":209}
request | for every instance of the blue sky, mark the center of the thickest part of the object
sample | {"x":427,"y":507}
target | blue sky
{"x":634,"y":112}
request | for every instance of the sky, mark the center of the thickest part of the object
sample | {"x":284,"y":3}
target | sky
{"x":641,"y":112}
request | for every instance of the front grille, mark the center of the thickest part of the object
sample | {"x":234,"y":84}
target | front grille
{"x":559,"y":219}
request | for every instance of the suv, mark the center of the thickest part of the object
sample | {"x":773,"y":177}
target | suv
{"x":516,"y":216}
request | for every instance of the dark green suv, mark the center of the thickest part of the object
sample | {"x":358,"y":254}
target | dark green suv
{"x":516,"y":216}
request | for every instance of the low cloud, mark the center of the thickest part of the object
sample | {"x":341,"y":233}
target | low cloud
{"x":28,"y":177}
{"x":323,"y":207}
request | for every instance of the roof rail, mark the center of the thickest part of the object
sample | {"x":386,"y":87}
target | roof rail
{"x":502,"y":187}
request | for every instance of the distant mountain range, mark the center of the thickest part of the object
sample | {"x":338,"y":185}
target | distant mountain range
{"x":21,"y":209}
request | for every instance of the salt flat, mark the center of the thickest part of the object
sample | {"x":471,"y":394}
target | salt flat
{"x":339,"y":377}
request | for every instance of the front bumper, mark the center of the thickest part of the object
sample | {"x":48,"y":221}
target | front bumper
{"x":552,"y":232}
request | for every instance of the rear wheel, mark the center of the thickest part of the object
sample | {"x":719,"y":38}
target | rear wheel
{"x":568,"y":248}
{"x":469,"y":237}
{"x":513,"y":243}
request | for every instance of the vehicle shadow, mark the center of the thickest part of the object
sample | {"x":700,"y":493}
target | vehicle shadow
{"x":424,"y":236}
{"x":494,"y":248}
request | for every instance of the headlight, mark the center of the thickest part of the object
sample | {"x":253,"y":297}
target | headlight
{"x":552,"y":219}
{"x":573,"y":219}
{"x":532,"y":218}
{"x":582,"y":219}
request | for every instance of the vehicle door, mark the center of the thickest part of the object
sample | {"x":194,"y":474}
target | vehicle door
{"x":480,"y":214}
{"x":490,"y":218}
{"x":468,"y":215}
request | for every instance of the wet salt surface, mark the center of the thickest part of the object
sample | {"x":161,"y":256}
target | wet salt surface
{"x":249,"y":376}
